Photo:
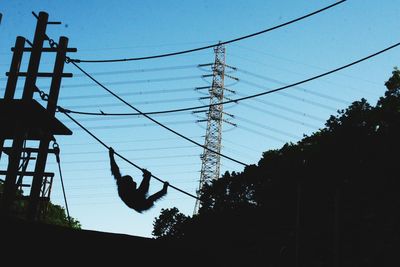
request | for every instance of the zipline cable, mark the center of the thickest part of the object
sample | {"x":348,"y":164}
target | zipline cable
{"x":153,"y":120}
{"x":122,"y":157}
{"x":209,"y":46}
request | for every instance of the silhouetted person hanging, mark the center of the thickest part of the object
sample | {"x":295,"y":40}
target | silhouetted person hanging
{"x":133,"y":197}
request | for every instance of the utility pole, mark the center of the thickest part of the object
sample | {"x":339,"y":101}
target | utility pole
{"x":210,"y":167}
{"x":31,"y":121}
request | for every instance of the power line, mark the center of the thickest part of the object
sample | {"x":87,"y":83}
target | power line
{"x":305,"y":100}
{"x":266,"y":127}
{"x":155,"y":121}
{"x":280,"y":116}
{"x":122,"y":118}
{"x":364,"y":90}
{"x":299,"y":73}
{"x":157,"y":165}
{"x":138,"y":70}
{"x":122,"y":126}
{"x":241,"y":145}
{"x":315,"y":77}
{"x":239,"y":152}
{"x":122,"y":157}
{"x":106,"y":186}
{"x":116,"y":72}
{"x":261,"y":134}
{"x":131,"y":150}
{"x":144,"y":46}
{"x":244,"y":97}
{"x":130,"y":141}
{"x":302,"y":63}
{"x":209,"y":46}
{"x":297,"y":87}
{"x":292,"y":96}
{"x":147,"y":92}
{"x":141,"y":158}
{"x":285,"y":108}
{"x":135,"y":81}
{"x":186,"y":99}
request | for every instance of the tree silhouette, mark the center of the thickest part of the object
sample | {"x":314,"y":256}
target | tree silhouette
{"x":55,"y":214}
{"x":170,"y":223}
{"x":330,"y":194}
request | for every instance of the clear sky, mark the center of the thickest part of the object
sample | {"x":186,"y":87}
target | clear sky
{"x":119,"y":29}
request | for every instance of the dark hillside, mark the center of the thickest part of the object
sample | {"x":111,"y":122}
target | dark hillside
{"x":36,"y":244}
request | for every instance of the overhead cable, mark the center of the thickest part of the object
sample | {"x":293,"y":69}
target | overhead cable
{"x":244,"y":97}
{"x":155,"y":121}
{"x":209,"y":46}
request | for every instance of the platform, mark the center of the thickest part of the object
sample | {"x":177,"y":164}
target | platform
{"x":31,"y":116}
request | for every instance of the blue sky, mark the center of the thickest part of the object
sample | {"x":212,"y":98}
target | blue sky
{"x":108,"y":29}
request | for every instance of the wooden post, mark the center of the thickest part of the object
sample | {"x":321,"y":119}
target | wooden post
{"x":15,"y":155}
{"x":34,"y":60}
{"x":14,"y":68}
{"x":13,"y":76}
{"x":44,"y":142}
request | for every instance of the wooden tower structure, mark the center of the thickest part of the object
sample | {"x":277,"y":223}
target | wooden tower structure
{"x":24,"y":121}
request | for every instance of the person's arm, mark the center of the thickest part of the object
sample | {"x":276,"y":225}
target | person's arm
{"x":146,"y":174}
{"x":114,"y":167}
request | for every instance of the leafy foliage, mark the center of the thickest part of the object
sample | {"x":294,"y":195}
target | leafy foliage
{"x":54,"y":214}
{"x":170,"y":223}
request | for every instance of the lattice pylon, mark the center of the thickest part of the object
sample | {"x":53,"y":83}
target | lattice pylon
{"x":210,"y":167}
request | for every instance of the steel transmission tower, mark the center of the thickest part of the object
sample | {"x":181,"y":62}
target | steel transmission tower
{"x":210,"y":168}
